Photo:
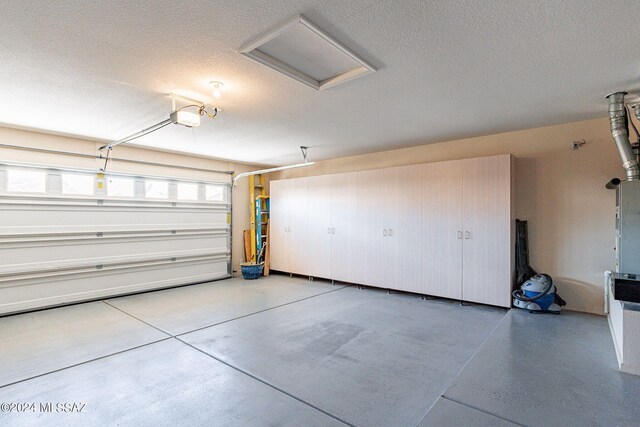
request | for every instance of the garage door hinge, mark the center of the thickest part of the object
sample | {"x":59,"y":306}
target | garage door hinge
{"x":173,"y":259}
{"x":99,"y":234}
{"x":173,"y":231}
{"x":99,"y":267}
{"x":100,"y":202}
{"x":174,"y":204}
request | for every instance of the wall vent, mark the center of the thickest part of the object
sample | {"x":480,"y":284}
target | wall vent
{"x":301,"y":50}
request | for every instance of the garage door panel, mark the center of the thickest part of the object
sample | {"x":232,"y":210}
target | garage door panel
{"x":34,"y":254}
{"x":30,"y":215}
{"x":33,"y":231}
{"x":27,"y":294}
{"x":57,"y":249}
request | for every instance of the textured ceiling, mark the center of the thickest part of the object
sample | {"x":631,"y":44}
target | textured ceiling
{"x":102,"y":69}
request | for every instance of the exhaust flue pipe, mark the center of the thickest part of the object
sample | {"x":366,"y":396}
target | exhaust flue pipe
{"x":619,"y":121}
{"x":613,"y":184}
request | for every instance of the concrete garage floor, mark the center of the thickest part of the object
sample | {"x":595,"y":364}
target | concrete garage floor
{"x":282,"y":351}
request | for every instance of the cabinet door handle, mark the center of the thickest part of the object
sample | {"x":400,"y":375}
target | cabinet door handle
{"x":333,"y":231}
{"x":459,"y":234}
{"x":329,"y":230}
{"x":390,"y":232}
{"x":467,"y":235}
{"x":384,"y":233}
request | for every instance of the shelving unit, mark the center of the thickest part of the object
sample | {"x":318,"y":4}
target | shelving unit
{"x":256,"y":188}
{"x":261,"y":224}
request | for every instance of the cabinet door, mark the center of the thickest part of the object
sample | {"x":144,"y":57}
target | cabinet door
{"x":278,"y":224}
{"x":402,"y":222}
{"x":320,"y":226}
{"x":487,"y":230}
{"x":298,"y":239}
{"x":370,"y":268}
{"x":344,"y":218}
{"x":442,"y":231}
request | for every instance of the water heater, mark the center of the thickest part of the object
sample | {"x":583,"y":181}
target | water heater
{"x":628,"y":227}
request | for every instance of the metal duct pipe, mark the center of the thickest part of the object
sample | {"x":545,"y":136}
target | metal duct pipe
{"x":619,"y":121}
{"x":613,"y":184}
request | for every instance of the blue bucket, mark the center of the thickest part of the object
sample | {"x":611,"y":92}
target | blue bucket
{"x":251,"y":271}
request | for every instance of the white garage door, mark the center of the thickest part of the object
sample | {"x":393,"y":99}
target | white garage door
{"x":69,"y":236}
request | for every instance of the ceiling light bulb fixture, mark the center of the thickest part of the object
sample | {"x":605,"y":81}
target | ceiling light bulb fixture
{"x":216,"y":88}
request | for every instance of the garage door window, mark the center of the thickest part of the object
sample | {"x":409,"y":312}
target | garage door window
{"x":77,"y":185}
{"x":24,"y":181}
{"x":120,"y":187}
{"x":215,"y":193}
{"x":157,"y":190}
{"x":187,"y":191}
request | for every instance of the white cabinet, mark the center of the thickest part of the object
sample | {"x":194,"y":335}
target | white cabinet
{"x":289,"y":225}
{"x":332,"y":225}
{"x":467,"y":229}
{"x":442,"y":229}
{"x":320,"y":226}
{"x":280,"y":191}
{"x":388,"y":238}
{"x":488,"y":230}
{"x":402,"y":257}
{"x":370,"y":231}
{"x":344,"y":237}
{"x":298,"y":205}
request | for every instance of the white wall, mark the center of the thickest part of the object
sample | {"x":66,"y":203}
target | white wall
{"x":559,"y":192}
{"x":25,"y":138}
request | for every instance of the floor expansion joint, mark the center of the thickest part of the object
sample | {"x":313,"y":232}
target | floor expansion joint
{"x":493,"y":331}
{"x":85,"y":362}
{"x":481,"y":410}
{"x":267,"y":383}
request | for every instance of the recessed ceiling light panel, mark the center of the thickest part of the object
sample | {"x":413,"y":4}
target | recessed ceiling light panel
{"x":301,"y":50}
